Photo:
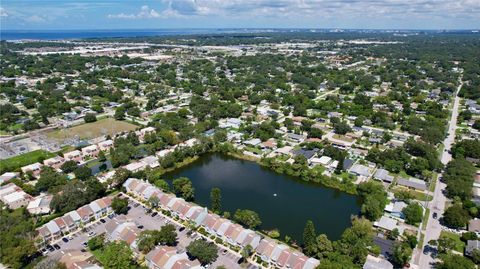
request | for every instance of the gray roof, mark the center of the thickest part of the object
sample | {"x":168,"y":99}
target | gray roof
{"x":383,"y":175}
{"x":412,"y":183}
{"x":308,"y":153}
{"x":471,"y":246}
{"x":347,"y":163}
{"x":360,"y":170}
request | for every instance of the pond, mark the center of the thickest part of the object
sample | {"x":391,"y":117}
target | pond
{"x":282,"y":201}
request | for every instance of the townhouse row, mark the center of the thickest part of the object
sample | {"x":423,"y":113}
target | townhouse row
{"x":268,"y":249}
{"x":162,"y":257}
{"x":71,"y":221}
{"x":77,"y":156}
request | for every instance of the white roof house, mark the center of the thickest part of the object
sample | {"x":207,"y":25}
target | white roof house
{"x":373,"y":262}
{"x":40,"y":204}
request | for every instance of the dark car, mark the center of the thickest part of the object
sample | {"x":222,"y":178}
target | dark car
{"x":154,"y":214}
{"x":65,"y":239}
{"x":181,"y":229}
{"x":140,"y":226}
{"x":435,"y":215}
{"x":56,"y":246}
{"x":50,"y":248}
{"x":102,"y":221}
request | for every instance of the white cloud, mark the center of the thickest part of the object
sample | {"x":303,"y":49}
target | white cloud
{"x":3,"y":12}
{"x":144,"y":13}
{"x":35,"y":19}
{"x":315,"y":8}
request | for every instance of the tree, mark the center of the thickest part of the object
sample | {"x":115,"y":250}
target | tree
{"x":83,"y":172}
{"x":247,"y":251}
{"x":119,"y":113}
{"x":357,"y":240}
{"x":90,"y":117}
{"x":101,"y":156}
{"x":183,"y":186}
{"x":393,"y":235}
{"x":247,"y":217}
{"x":456,"y":217}
{"x":309,"y":239}
{"x":16,"y":237}
{"x":216,"y":200}
{"x":205,"y":252}
{"x":413,"y":213}
{"x":374,"y":199}
{"x":341,"y":128}
{"x":167,"y":235}
{"x":402,"y":253}
{"x":121,"y":175}
{"x":50,"y":180}
{"x":162,"y":184}
{"x":323,"y":246}
{"x":475,"y":255}
{"x":68,"y":166}
{"x":153,"y":201}
{"x":116,"y":255}
{"x":96,"y":242}
{"x":454,"y":261}
{"x":120,"y":206}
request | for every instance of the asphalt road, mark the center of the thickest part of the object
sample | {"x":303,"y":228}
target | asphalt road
{"x":437,"y":205}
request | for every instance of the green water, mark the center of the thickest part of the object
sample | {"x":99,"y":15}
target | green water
{"x":282,"y":201}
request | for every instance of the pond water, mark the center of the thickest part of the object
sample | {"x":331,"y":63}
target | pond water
{"x":282,"y":201}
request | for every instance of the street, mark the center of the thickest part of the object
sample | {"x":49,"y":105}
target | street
{"x":437,"y":205}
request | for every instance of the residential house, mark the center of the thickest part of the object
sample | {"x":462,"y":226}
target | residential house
{"x":91,"y":151}
{"x":150,"y":161}
{"x":105,"y":145}
{"x":34,"y":168}
{"x":474,"y":225}
{"x":388,"y":224}
{"x":395,"y":209}
{"x":40,"y":205}
{"x":7,"y":176}
{"x":383,"y":175}
{"x":13,"y":196}
{"x":75,"y":156}
{"x":373,"y":262}
{"x":413,"y":183}
{"x":360,"y":170}
{"x":55,"y":162}
{"x":471,"y":246}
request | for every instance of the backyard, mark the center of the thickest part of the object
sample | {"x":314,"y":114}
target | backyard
{"x":13,"y":163}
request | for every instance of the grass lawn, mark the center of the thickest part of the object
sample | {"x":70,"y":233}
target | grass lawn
{"x":343,"y":138}
{"x":459,"y":244}
{"x":416,"y":194}
{"x":425,"y":218}
{"x":92,"y":130}
{"x":13,"y":163}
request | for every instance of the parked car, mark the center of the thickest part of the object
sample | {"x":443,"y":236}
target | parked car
{"x":102,"y":221}
{"x":56,"y":246}
{"x":154,"y":214}
{"x":50,"y":248}
{"x":435,"y":215}
{"x":44,"y":251}
{"x":65,"y":239}
{"x":140,"y":226}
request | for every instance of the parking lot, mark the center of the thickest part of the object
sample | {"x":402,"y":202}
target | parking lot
{"x":145,"y":220}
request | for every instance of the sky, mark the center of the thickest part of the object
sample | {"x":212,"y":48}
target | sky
{"x":168,"y":14}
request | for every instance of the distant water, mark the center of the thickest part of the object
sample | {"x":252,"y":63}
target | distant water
{"x":79,"y":34}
